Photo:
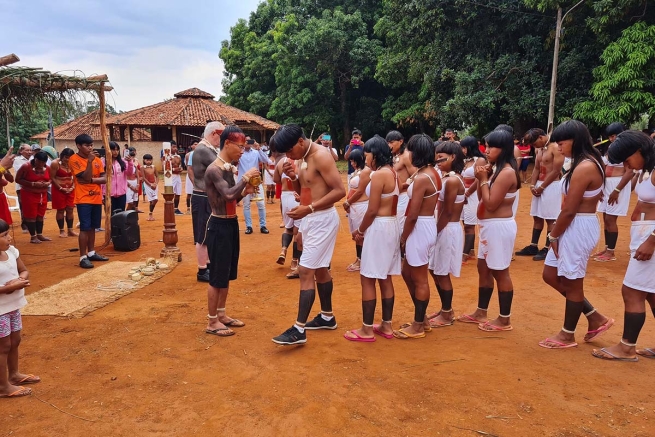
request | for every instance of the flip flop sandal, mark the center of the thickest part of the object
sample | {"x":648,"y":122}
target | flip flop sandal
{"x":220,"y":332}
{"x":293,"y":275}
{"x":605,"y":258}
{"x":235,"y":323}
{"x":403,"y":335}
{"x":595,"y":333}
{"x":376,"y":329}
{"x":611,"y":357}
{"x":22,"y":391}
{"x":357,"y":337}
{"x":29,"y":379}
{"x":282,"y":257}
{"x":650,"y":353}
{"x":488,"y":327}
{"x":426,"y":328}
{"x":435,"y":324}
{"x":465,"y":318}
{"x":556,"y":344}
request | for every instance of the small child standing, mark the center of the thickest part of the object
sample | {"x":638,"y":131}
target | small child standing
{"x":14,"y":277}
{"x":150,"y":180}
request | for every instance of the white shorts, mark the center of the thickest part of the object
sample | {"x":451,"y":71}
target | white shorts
{"x":381,"y":250}
{"x":620,"y":208}
{"x":319,"y":235}
{"x":268,"y":179}
{"x":288,"y":203}
{"x":420,"y":243}
{"x":150,"y":193}
{"x":496,"y":243}
{"x":575,"y":246}
{"x":177,"y":184}
{"x":447,"y":256}
{"x":549,"y":204}
{"x":188,"y":185}
{"x":470,"y":209}
{"x":403,"y":202}
{"x":356,"y":214}
{"x":640,"y":274}
{"x":132,"y":191}
{"x":515,"y":205}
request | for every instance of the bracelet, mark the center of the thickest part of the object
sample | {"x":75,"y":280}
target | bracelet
{"x":346,"y":204}
{"x":652,"y":234}
{"x":617,"y":190}
{"x":311,"y":206}
{"x":484,"y":183}
{"x":294,"y":180}
{"x":2,"y":170}
{"x":361,"y":233}
{"x":551,"y":238}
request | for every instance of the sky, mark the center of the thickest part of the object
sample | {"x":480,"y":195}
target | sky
{"x":149,"y":49}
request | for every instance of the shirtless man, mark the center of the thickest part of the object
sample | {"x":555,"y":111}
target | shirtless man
{"x":176,"y":178}
{"x":289,"y":201}
{"x":402,"y":164}
{"x":319,"y":185}
{"x":204,"y":154}
{"x":222,"y":235}
{"x":545,"y":188}
{"x":149,"y":175}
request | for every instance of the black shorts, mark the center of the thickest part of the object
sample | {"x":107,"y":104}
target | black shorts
{"x":222,"y":242}
{"x":200,"y":212}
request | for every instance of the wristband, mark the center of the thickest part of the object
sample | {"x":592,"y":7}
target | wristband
{"x":551,"y":238}
{"x":652,"y":234}
{"x":359,"y":232}
{"x":2,"y":170}
{"x":617,"y":190}
{"x":295,"y":179}
{"x":311,"y":206}
{"x":346,"y":204}
{"x":484,"y":183}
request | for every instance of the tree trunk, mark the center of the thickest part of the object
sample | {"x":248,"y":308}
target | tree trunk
{"x":343,"y":85}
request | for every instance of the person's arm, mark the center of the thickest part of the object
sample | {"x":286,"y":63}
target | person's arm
{"x":580,"y":180}
{"x":413,"y":210}
{"x":553,"y":175}
{"x":20,"y":177}
{"x":53,"y":175}
{"x":493,"y":197}
{"x":277,"y":174}
{"x":374,"y":201}
{"x":346,"y":154}
{"x":8,"y":160}
{"x":537,"y":170}
{"x":645,"y":250}
{"x":328,"y":170}
{"x":625,"y":180}
{"x":448,"y":204}
{"x":364,"y":179}
{"x":214,"y":176}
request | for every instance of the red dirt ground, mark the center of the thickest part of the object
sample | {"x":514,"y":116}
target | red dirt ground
{"x":144,"y":366}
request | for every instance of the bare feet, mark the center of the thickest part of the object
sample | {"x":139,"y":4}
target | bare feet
{"x":478,"y":316}
{"x":35,"y":240}
{"x":383,"y":328}
{"x":72,"y":233}
{"x":443,"y":318}
{"x":63,"y":234}
{"x":151,"y":218}
{"x":648,"y":352}
{"x":561,"y":340}
{"x":619,"y":352}
{"x":598,"y":325}
{"x":42,"y":238}
{"x":14,"y":391}
{"x":362,"y":334}
{"x":21,"y":378}
{"x":498,"y":324}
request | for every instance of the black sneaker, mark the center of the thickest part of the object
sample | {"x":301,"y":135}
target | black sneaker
{"x":178,"y":212}
{"x":248,"y":230}
{"x":203,"y":277}
{"x":264,"y":230}
{"x":541,"y":255}
{"x":86,"y":264}
{"x":291,"y":336}
{"x":528,"y":251}
{"x":320,"y":323}
{"x":97,"y":257}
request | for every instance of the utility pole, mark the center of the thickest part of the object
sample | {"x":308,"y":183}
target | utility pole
{"x":553,"y":79}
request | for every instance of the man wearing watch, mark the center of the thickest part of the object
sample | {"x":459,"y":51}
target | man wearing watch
{"x":318,"y":182}
{"x":546,"y":191}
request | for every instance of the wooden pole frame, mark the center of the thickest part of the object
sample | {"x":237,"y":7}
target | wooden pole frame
{"x":108,"y":163}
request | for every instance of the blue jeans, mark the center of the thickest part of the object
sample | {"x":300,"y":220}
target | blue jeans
{"x":261,"y":209}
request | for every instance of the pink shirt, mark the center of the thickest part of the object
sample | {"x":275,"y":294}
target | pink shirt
{"x":119,"y":178}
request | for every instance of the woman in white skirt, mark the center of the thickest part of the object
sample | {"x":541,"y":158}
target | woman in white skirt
{"x":575,"y":233}
{"x":357,"y":201}
{"x":636,"y":151}
{"x":473,"y":158}
{"x":419,"y":234}
{"x":446,"y":257}
{"x":380,"y":235}
{"x":497,"y":192}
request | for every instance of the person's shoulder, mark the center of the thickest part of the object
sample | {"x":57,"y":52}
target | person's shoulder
{"x":12,"y":251}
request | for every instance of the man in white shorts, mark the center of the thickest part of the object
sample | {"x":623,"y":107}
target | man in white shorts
{"x":546,"y":191}
{"x":319,"y":184}
{"x":288,"y":200}
{"x":176,"y":178}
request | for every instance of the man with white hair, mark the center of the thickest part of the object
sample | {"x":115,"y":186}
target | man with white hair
{"x":204,"y":154}
{"x":24,"y":155}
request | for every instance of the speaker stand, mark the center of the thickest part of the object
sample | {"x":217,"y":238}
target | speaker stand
{"x":170,"y":232}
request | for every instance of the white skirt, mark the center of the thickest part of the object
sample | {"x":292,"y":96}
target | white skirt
{"x":356,"y":214}
{"x":447,"y":255}
{"x":268,"y":179}
{"x":496,"y":242}
{"x":640,"y":274}
{"x":319,"y":234}
{"x":177,"y":184}
{"x":575,"y":246}
{"x":549,"y":204}
{"x":288,"y":203}
{"x":620,"y":208}
{"x":188,"y":185}
{"x":420,"y":243}
{"x":470,"y":209}
{"x":150,"y":193}
{"x":381,"y":250}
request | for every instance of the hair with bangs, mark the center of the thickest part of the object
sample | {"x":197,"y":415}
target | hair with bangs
{"x":378,"y":147}
{"x":452,"y":148}
{"x":504,"y":140}
{"x":582,"y":148}
{"x":287,"y":136}
{"x":422,"y":148}
{"x":628,"y":143}
{"x":472,"y":146}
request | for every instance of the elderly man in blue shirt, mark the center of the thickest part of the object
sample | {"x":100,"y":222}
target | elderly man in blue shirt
{"x":253,"y":156}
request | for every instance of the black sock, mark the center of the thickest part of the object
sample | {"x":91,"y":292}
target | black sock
{"x":588,"y":307}
{"x":202,"y":271}
{"x":176,"y":202}
{"x":505,"y":302}
{"x":305,"y":303}
{"x":296,"y":252}
{"x":653,"y":310}
{"x":188,"y":202}
{"x":547,"y":240}
{"x":469,"y":242}
{"x":368,"y":311}
{"x":536,"y":234}
{"x":286,"y":239}
{"x":420,"y":308}
{"x":612,"y":237}
{"x":358,"y":249}
{"x":60,"y":223}
{"x":446,"y":299}
{"x":325,"y":295}
{"x":572,"y":314}
{"x":31,"y":226}
{"x":606,"y":237}
{"x":484,"y":297}
{"x":632,"y":324}
{"x":69,"y":223}
{"x":387,"y":309}
{"x":39,"y":227}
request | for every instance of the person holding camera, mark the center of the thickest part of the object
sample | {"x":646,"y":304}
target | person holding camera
{"x":326,"y":141}
{"x":253,"y":156}
{"x":356,"y":143}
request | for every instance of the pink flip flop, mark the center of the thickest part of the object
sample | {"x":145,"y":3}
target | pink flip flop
{"x":557,"y":344}
{"x":488,"y":327}
{"x":595,"y":333}
{"x":376,"y":329}
{"x":465,"y":318}
{"x":358,"y":337}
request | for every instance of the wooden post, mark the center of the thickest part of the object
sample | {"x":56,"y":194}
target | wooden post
{"x":129,"y":136}
{"x":108,"y":163}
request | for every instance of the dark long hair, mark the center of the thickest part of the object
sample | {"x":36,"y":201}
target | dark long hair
{"x":378,"y":147}
{"x":394,"y":135}
{"x":452,"y":148}
{"x":503,"y":140}
{"x":422,"y":148}
{"x":628,"y":143}
{"x":583,"y":146}
{"x":113,"y":145}
{"x":472,"y":147}
{"x":357,"y":156}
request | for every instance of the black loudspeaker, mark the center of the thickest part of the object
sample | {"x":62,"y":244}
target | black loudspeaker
{"x":125,"y":231}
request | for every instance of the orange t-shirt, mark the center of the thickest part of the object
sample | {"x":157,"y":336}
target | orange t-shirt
{"x":86,"y":193}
